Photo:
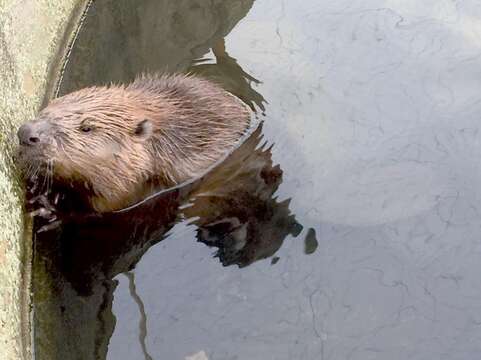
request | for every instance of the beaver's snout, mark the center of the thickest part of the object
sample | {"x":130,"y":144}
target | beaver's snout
{"x":33,"y":133}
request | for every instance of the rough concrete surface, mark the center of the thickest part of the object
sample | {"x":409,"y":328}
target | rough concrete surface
{"x":32,"y":36}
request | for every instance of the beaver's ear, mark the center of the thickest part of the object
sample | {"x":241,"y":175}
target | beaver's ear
{"x":144,"y":129}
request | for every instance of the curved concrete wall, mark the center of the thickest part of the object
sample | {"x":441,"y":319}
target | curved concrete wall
{"x":32,"y":41}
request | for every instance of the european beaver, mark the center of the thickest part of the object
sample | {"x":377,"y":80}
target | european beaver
{"x":118,"y":142}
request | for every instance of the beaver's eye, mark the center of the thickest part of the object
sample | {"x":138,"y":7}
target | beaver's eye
{"x":86,"y":128}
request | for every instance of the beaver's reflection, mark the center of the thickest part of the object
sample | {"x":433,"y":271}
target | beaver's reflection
{"x":233,"y":207}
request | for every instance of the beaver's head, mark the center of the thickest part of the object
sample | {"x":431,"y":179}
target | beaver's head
{"x":97,"y":138}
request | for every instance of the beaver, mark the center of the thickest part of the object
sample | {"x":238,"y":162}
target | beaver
{"x":116,"y":143}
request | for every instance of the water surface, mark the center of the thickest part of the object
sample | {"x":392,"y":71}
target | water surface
{"x":370,"y":248}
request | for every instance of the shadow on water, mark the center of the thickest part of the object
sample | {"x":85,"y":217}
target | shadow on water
{"x":233,"y":208}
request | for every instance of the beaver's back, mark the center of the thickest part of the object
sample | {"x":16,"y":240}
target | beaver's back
{"x":197,"y":122}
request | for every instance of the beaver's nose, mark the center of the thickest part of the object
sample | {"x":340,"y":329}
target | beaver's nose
{"x":27,"y":135}
{"x":32,"y":133}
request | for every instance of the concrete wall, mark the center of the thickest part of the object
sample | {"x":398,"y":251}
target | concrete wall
{"x":33,"y":35}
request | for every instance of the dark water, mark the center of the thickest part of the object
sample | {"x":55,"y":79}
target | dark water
{"x":347,"y":227}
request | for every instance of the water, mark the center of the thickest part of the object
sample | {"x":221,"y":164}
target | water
{"x":372,"y":110}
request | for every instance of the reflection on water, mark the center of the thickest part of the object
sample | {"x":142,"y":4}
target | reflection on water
{"x":143,"y":316}
{"x":232,"y":209}
{"x":121,"y":39}
{"x":372,"y":111}
{"x":228,"y":72}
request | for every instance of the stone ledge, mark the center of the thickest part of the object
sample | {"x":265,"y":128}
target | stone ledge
{"x":33,"y":38}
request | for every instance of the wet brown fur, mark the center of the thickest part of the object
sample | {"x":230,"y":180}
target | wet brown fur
{"x":156,"y":132}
